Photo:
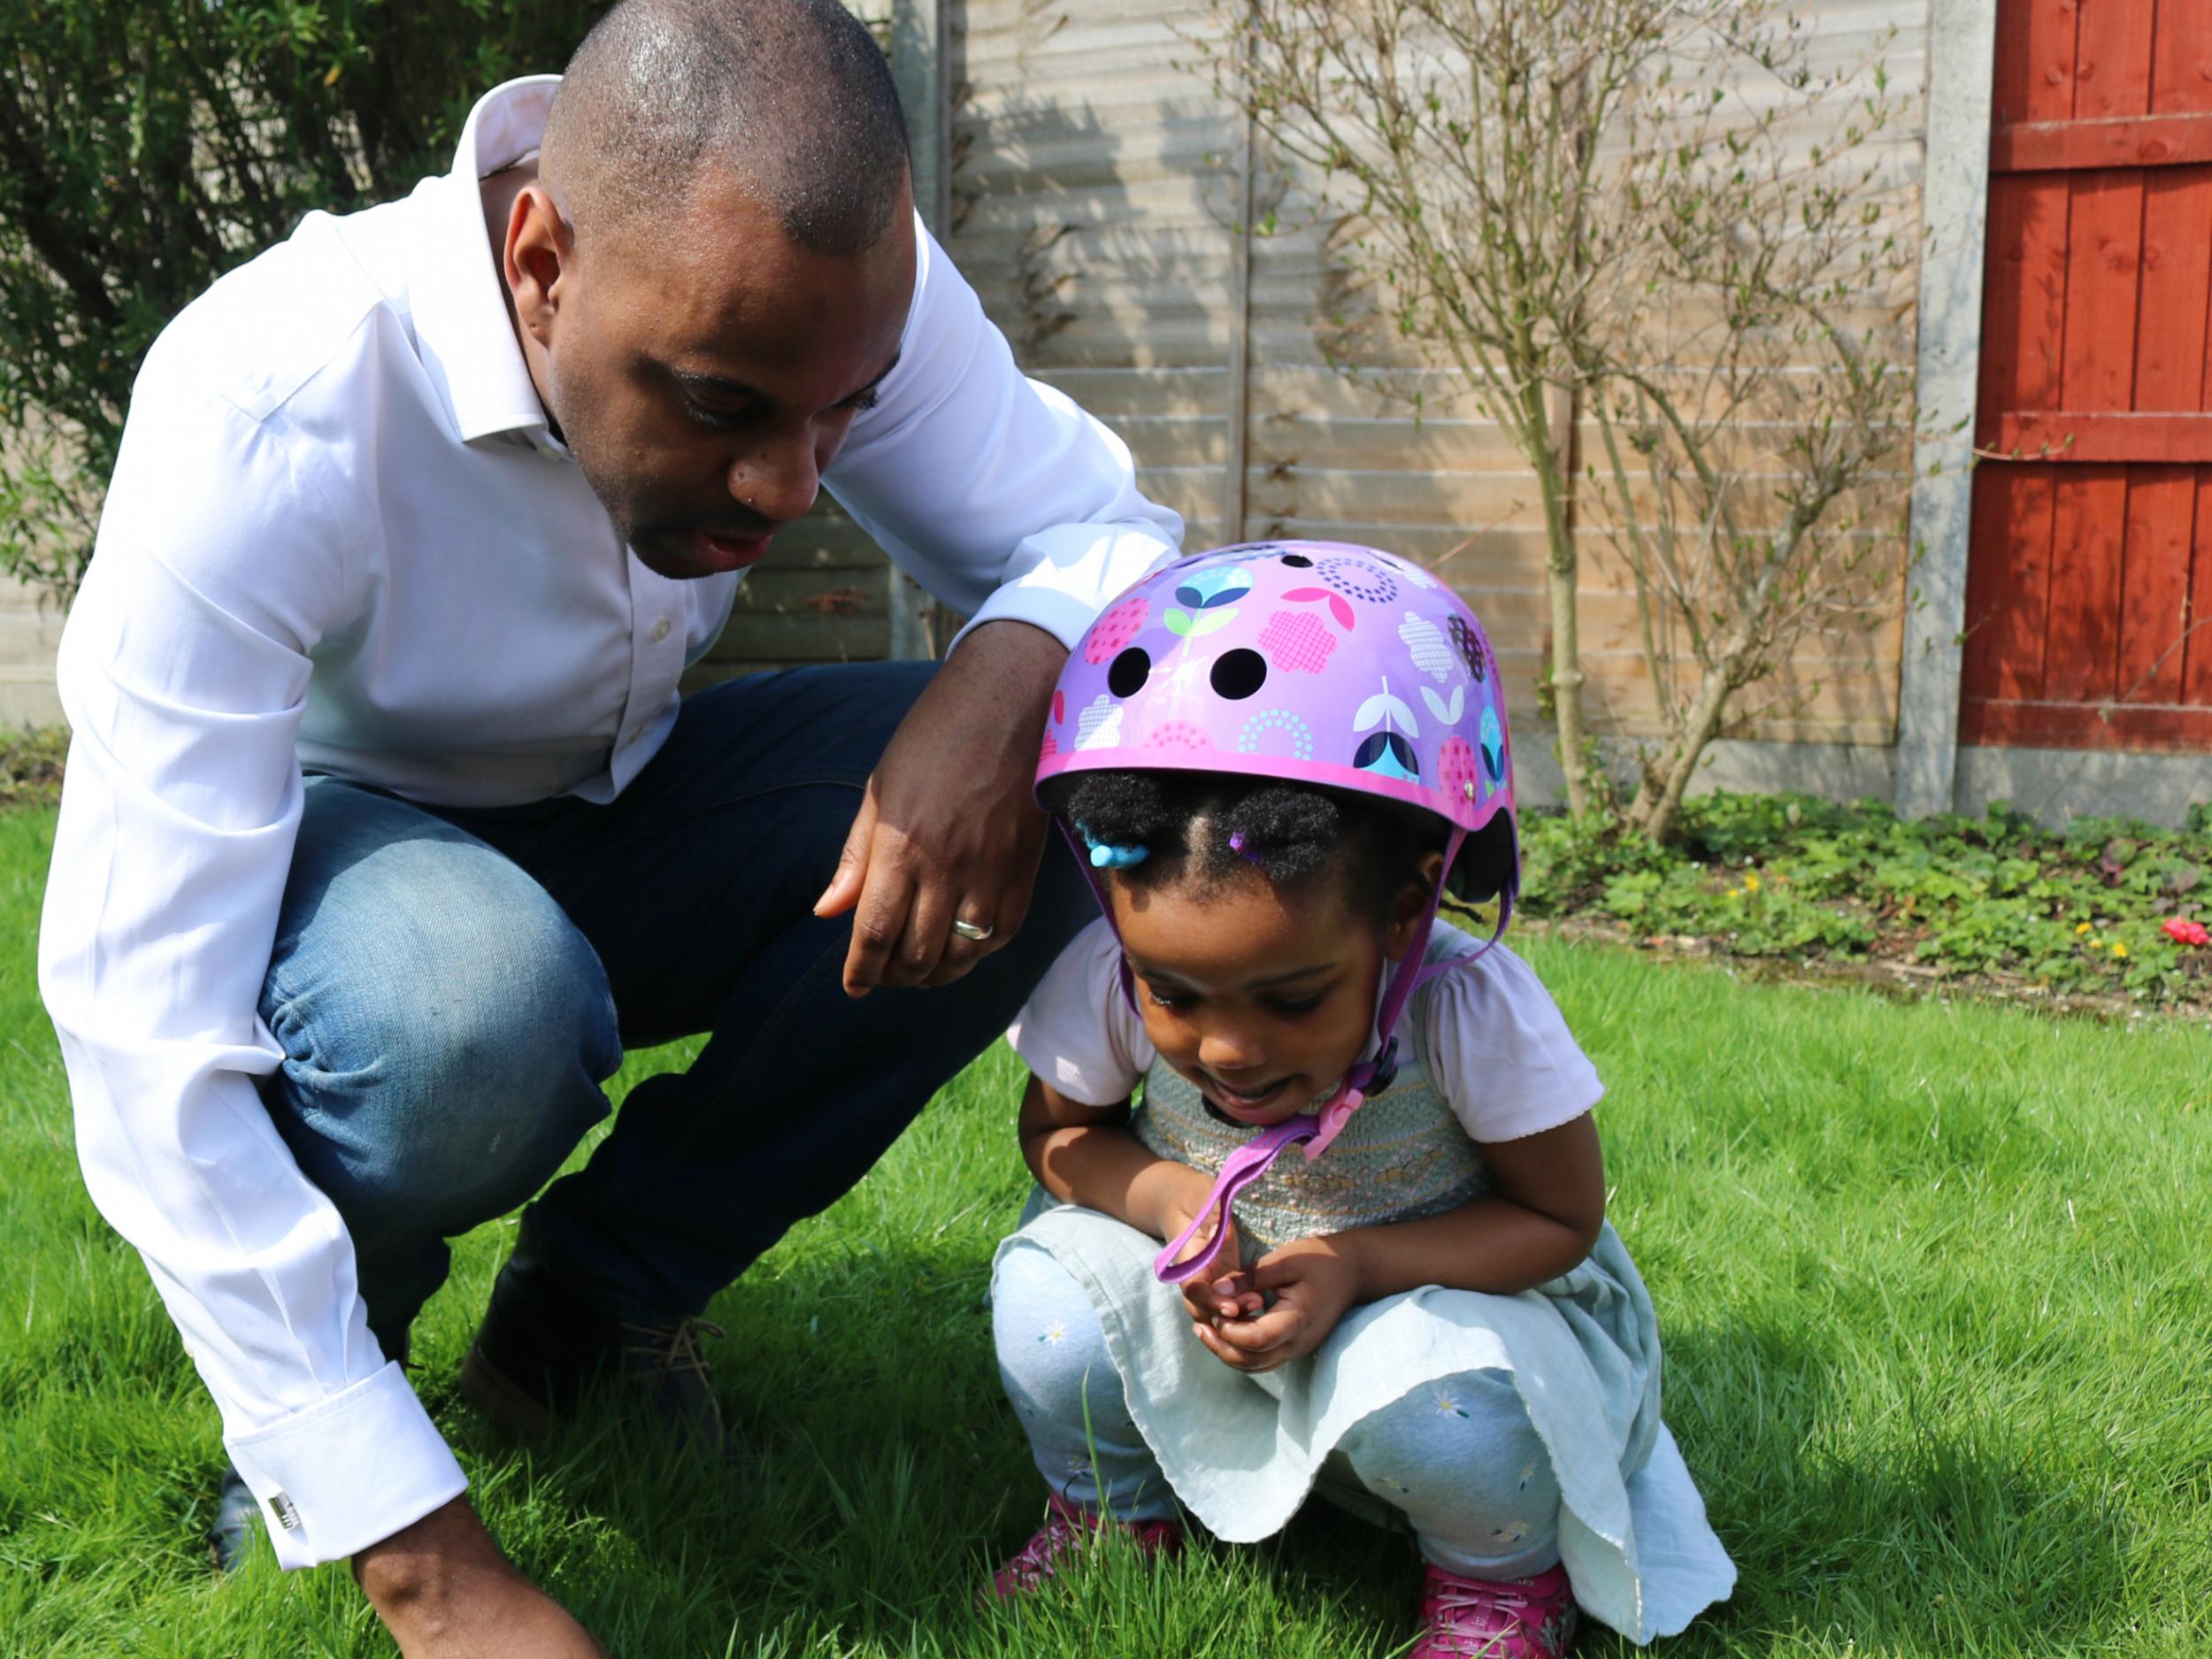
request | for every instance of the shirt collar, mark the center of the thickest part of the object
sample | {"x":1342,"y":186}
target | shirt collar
{"x":460,"y":311}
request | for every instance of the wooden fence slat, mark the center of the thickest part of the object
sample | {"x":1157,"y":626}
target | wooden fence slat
{"x":1386,"y":446}
{"x":2081,"y":631}
{"x":2103,"y":242}
{"x":2048,"y":41}
{"x":2196,"y":676}
{"x":2004,"y":332}
{"x":2181,"y":58}
{"x":2009,"y":581}
{"x":2112,"y":64}
{"x":1988,"y":579}
{"x":2060,"y":726}
{"x":2008,"y":99}
{"x":2066,"y":436}
{"x":2177,"y":278}
{"x":2021,"y":361}
{"x":2009,"y":94}
{"x":1442,"y":499}
{"x":2140,"y":140}
{"x":2155,"y":582}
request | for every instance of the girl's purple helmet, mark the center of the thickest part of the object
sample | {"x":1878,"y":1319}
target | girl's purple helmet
{"x":1313,"y":660}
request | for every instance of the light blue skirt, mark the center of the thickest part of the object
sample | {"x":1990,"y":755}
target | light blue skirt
{"x":1242,"y":1453}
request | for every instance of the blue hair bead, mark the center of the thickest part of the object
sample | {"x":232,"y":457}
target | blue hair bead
{"x":1107,"y":855}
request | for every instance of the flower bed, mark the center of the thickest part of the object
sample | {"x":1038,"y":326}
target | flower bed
{"x":2104,"y":908}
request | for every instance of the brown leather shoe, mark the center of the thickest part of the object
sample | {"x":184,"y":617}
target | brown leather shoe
{"x":541,"y":1351}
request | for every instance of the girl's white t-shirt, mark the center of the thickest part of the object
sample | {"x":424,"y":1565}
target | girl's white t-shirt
{"x":1498,"y":1050}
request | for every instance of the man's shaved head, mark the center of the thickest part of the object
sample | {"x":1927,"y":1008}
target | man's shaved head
{"x":790,"y":98}
{"x":712,"y":267}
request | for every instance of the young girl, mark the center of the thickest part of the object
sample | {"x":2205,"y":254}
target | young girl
{"x":1278,"y":756}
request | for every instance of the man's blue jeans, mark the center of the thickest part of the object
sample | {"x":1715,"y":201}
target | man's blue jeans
{"x":450,"y":987}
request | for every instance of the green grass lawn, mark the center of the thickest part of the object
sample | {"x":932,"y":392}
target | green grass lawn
{"x":1933,"y":1279}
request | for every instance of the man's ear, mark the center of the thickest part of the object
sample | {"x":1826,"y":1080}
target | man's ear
{"x":1411,"y":904}
{"x":539,"y":259}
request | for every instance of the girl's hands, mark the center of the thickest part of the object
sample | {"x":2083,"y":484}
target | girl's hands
{"x":1178,"y":1196}
{"x":1315,"y":1282}
{"x":1229,"y":1294}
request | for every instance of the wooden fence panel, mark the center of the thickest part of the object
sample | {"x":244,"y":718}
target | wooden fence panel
{"x":2089,"y":571}
{"x":1096,"y":206}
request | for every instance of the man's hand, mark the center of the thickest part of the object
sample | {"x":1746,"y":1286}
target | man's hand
{"x":1315,"y":1281}
{"x":947,"y":831}
{"x":445,"y":1592}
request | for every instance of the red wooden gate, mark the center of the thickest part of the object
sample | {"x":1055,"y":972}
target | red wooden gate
{"x":2089,"y":582}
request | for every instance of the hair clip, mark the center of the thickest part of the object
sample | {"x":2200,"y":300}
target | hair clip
{"x":1107,"y":855}
{"x":1237,"y":845}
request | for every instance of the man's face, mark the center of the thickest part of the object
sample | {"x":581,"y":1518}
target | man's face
{"x":703,"y":370}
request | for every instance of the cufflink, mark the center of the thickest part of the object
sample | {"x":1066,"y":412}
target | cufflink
{"x":285,"y":1511}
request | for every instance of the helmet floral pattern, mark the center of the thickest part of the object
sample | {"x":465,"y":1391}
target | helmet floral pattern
{"x":1321,"y":662}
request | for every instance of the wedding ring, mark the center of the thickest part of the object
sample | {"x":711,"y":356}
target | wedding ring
{"x":968,"y":930}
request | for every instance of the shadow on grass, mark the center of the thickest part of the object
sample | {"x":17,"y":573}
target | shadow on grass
{"x":1931,"y":1527}
{"x":884,"y":1475}
{"x":859,"y":1546}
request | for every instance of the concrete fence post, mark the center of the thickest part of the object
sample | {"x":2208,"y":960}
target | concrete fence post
{"x":1954,"y":217}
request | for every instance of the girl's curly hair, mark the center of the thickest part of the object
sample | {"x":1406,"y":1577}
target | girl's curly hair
{"x":1205,"y":828}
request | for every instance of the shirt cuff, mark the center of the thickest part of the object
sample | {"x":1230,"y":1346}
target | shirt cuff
{"x":1083,"y":569}
{"x":348,"y":1472}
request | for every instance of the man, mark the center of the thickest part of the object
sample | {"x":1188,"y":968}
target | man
{"x":384,"y":829}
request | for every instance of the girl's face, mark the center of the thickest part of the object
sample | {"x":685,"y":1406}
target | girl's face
{"x":1261,"y":997}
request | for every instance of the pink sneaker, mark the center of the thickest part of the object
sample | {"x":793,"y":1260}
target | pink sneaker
{"x":1488,"y":1618}
{"x":1066,"y":1531}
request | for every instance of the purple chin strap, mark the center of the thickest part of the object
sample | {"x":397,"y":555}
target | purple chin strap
{"x":1312,"y":1130}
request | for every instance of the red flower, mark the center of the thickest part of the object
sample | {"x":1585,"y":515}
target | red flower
{"x":2185,"y":933}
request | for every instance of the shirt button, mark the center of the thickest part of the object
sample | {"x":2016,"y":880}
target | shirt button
{"x":660,"y":630}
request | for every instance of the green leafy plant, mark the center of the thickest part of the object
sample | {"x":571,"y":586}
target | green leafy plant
{"x":146,"y":147}
{"x":31,"y":765}
{"x":1805,"y":879}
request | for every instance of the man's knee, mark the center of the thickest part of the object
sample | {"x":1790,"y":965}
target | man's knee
{"x":442,"y":1062}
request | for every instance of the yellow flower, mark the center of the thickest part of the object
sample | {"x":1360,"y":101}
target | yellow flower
{"x":2080,"y":928}
{"x":2119,"y":950}
{"x":1751,"y":882}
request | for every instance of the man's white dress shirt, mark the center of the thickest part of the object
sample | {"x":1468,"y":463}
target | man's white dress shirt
{"x":340,"y":533}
